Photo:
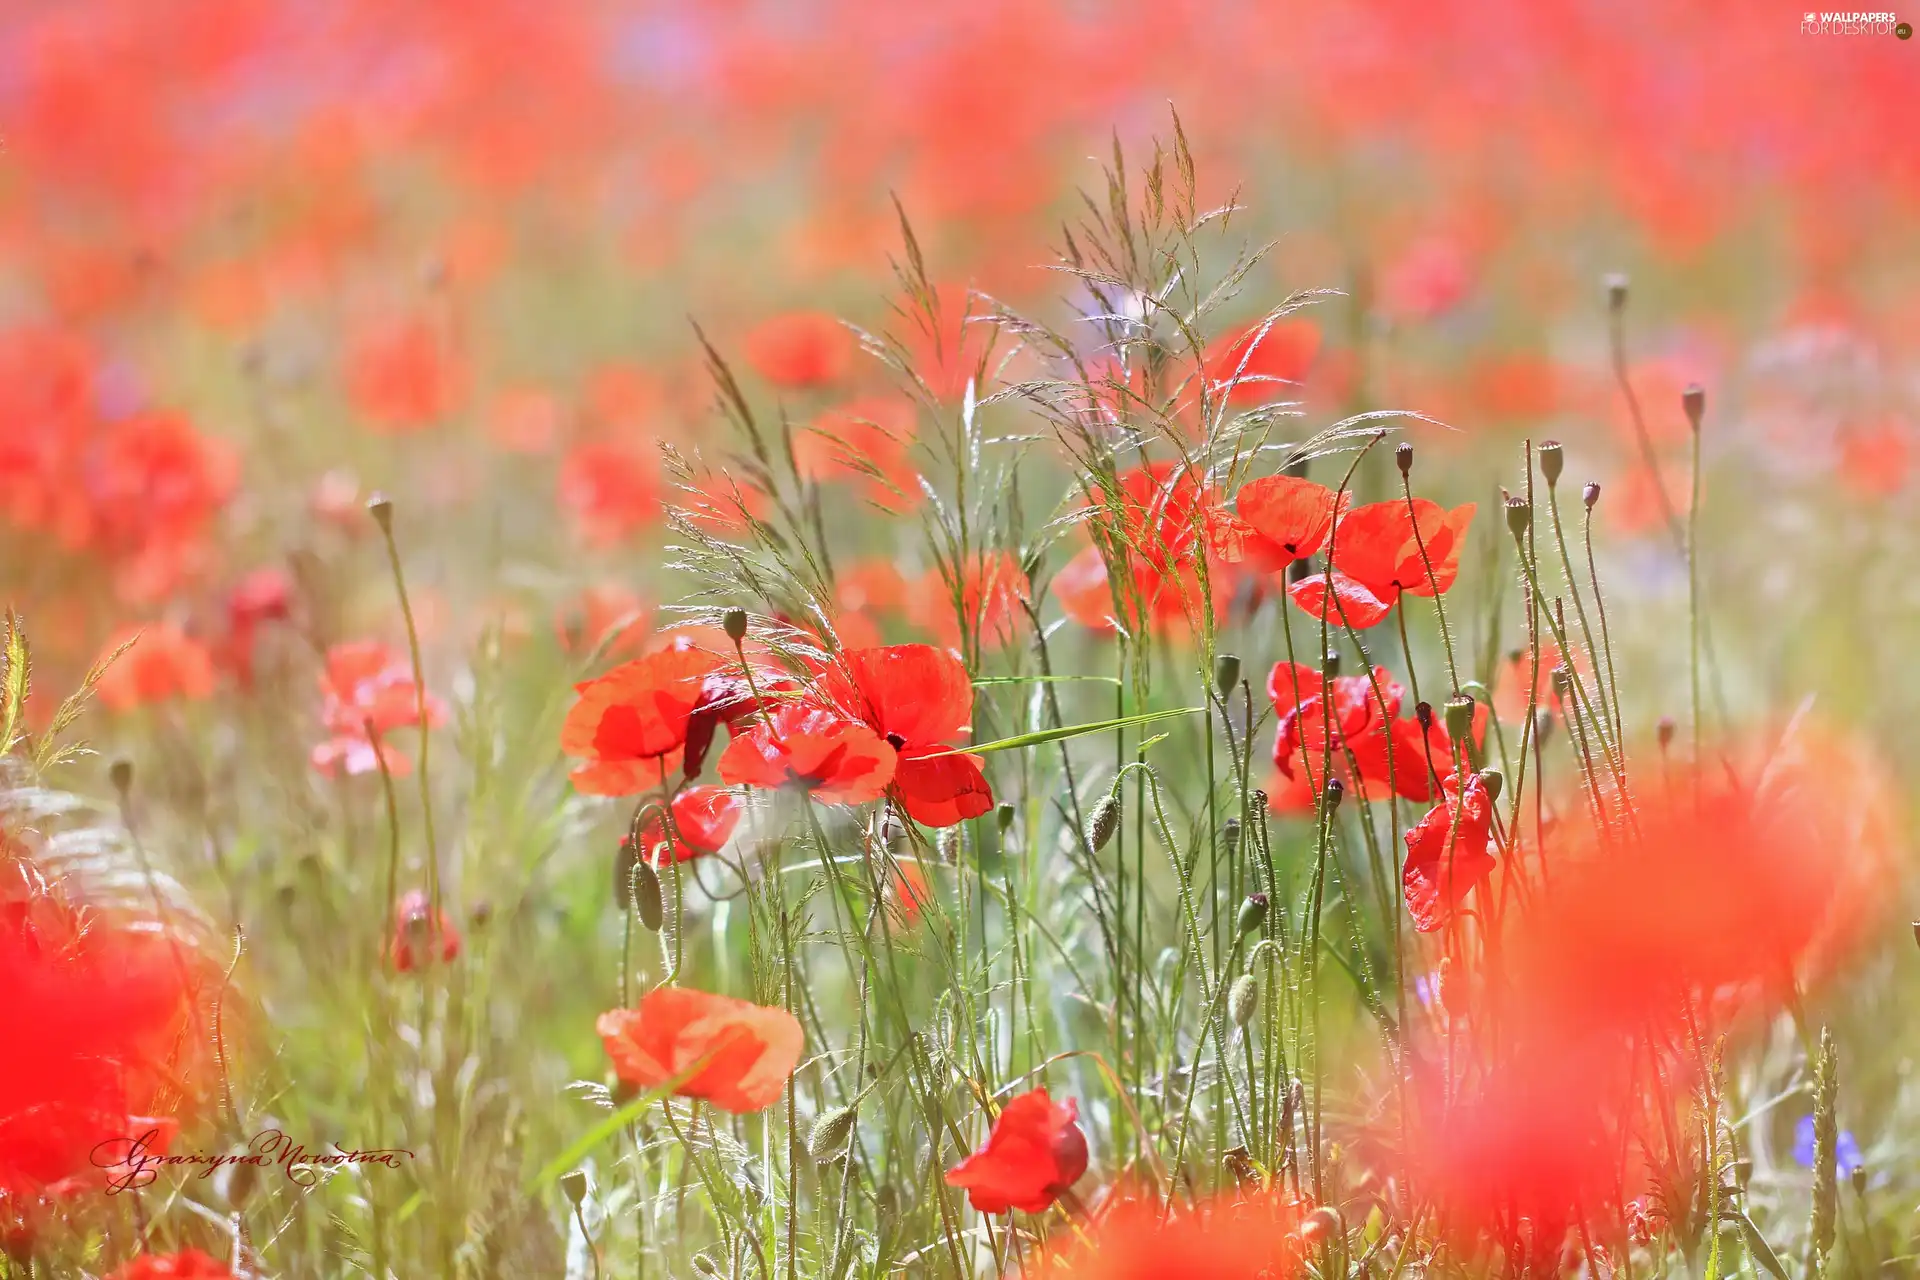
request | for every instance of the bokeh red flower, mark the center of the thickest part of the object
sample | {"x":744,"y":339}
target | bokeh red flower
{"x":733,"y":1053}
{"x":1034,"y":1152}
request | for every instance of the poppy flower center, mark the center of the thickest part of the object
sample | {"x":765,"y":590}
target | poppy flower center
{"x":895,"y":741}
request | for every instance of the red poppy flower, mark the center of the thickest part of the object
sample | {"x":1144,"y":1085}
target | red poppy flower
{"x":1160,"y":521}
{"x":188,"y":1264}
{"x":629,"y":720}
{"x":703,"y":818}
{"x":163,"y":664}
{"x":368,"y":689}
{"x":1378,"y":554}
{"x":415,"y":931}
{"x":735,"y":1054}
{"x":992,"y":592}
{"x":1228,"y":1237}
{"x":801,"y":349}
{"x":836,"y":758}
{"x":265,"y":595}
{"x":1266,"y":367}
{"x":1280,"y":519}
{"x":612,"y":489}
{"x":107,"y":1007}
{"x":1034,"y":1152}
{"x":918,"y":698}
{"x":1439,"y":871}
{"x":605,"y":617}
{"x":864,"y":443}
{"x":403,"y":377}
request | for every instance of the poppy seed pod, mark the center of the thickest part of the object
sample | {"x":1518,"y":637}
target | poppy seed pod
{"x":1423,"y":715}
{"x":1403,"y":458}
{"x":1104,"y":822}
{"x":1003,"y":816}
{"x":1494,"y":781}
{"x":705,"y":1266}
{"x":734,"y":623}
{"x":1552,"y":461}
{"x":380,"y":507}
{"x":1459,"y":717}
{"x":827,"y":1140}
{"x":1226,"y":674}
{"x":1665,"y":732}
{"x":1858,"y":1177}
{"x":1335,"y":791}
{"x":1230,"y":836}
{"x":1694,"y":401}
{"x":1591,"y":494}
{"x":1253,"y":914}
{"x":1519,"y":516}
{"x":1616,"y":283}
{"x":1243,"y":998}
{"x":1330,"y":664}
{"x":574,"y":1183}
{"x":120,"y":774}
{"x":646,"y":895}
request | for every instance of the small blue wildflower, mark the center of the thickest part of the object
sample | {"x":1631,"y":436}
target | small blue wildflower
{"x":1846,"y":1152}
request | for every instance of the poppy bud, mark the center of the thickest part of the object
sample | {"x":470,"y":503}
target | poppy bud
{"x":120,"y":774}
{"x":734,"y":623}
{"x":705,"y":1266}
{"x":827,"y":1140}
{"x":1403,"y":457}
{"x":380,"y":507}
{"x":1665,"y":732}
{"x":1552,"y":462}
{"x":1253,"y":913}
{"x":1694,"y":401}
{"x":1616,"y":282}
{"x":1004,"y":817}
{"x":574,"y":1183}
{"x":1330,"y":664}
{"x":646,"y":894}
{"x":1590,"y":494}
{"x":1230,"y":836}
{"x":1104,"y":822}
{"x":1459,"y":717}
{"x":1243,"y":998}
{"x":1858,"y":1177}
{"x":1335,"y":792}
{"x":241,"y":1180}
{"x":1423,"y":715}
{"x":1226,"y":674}
{"x":1494,"y":781}
{"x":1519,"y":516}
{"x":482,"y":914}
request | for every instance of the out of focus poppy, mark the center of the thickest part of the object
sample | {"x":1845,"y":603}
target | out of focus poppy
{"x":1264,"y":367}
{"x":1034,"y":1152}
{"x":832,"y":756}
{"x":992,"y":594}
{"x":418,"y":934}
{"x":918,"y":698}
{"x":1447,"y":853}
{"x":163,"y":664}
{"x":402,"y":377}
{"x":1255,"y":1236}
{"x":368,"y":691}
{"x":612,"y":489}
{"x":605,"y":616}
{"x":864,"y":443}
{"x":801,"y":350}
{"x":188,"y":1264}
{"x":1379,"y":553}
{"x":1158,"y":524}
{"x":735,"y":1054}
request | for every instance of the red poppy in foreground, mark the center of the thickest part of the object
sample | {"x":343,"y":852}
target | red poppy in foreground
{"x":703,"y":818}
{"x":1034,"y":1152}
{"x":163,"y":664}
{"x":1379,"y":552}
{"x":368,"y":691}
{"x":735,"y":1054}
{"x":1278,"y":520}
{"x":628,"y":721}
{"x":418,"y":935}
{"x":1161,"y":520}
{"x":188,"y":1264}
{"x":1230,"y":1237}
{"x":918,"y":698}
{"x":801,"y":349}
{"x":1448,"y":853}
{"x":831,"y":756}
{"x":111,"y":1005}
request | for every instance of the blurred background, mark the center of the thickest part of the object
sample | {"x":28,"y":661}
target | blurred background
{"x":259,"y":258}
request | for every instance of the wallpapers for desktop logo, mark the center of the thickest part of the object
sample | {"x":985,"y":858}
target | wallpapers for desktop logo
{"x":1841,"y":23}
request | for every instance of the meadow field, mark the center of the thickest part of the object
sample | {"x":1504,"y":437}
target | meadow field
{"x":983,"y":638}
